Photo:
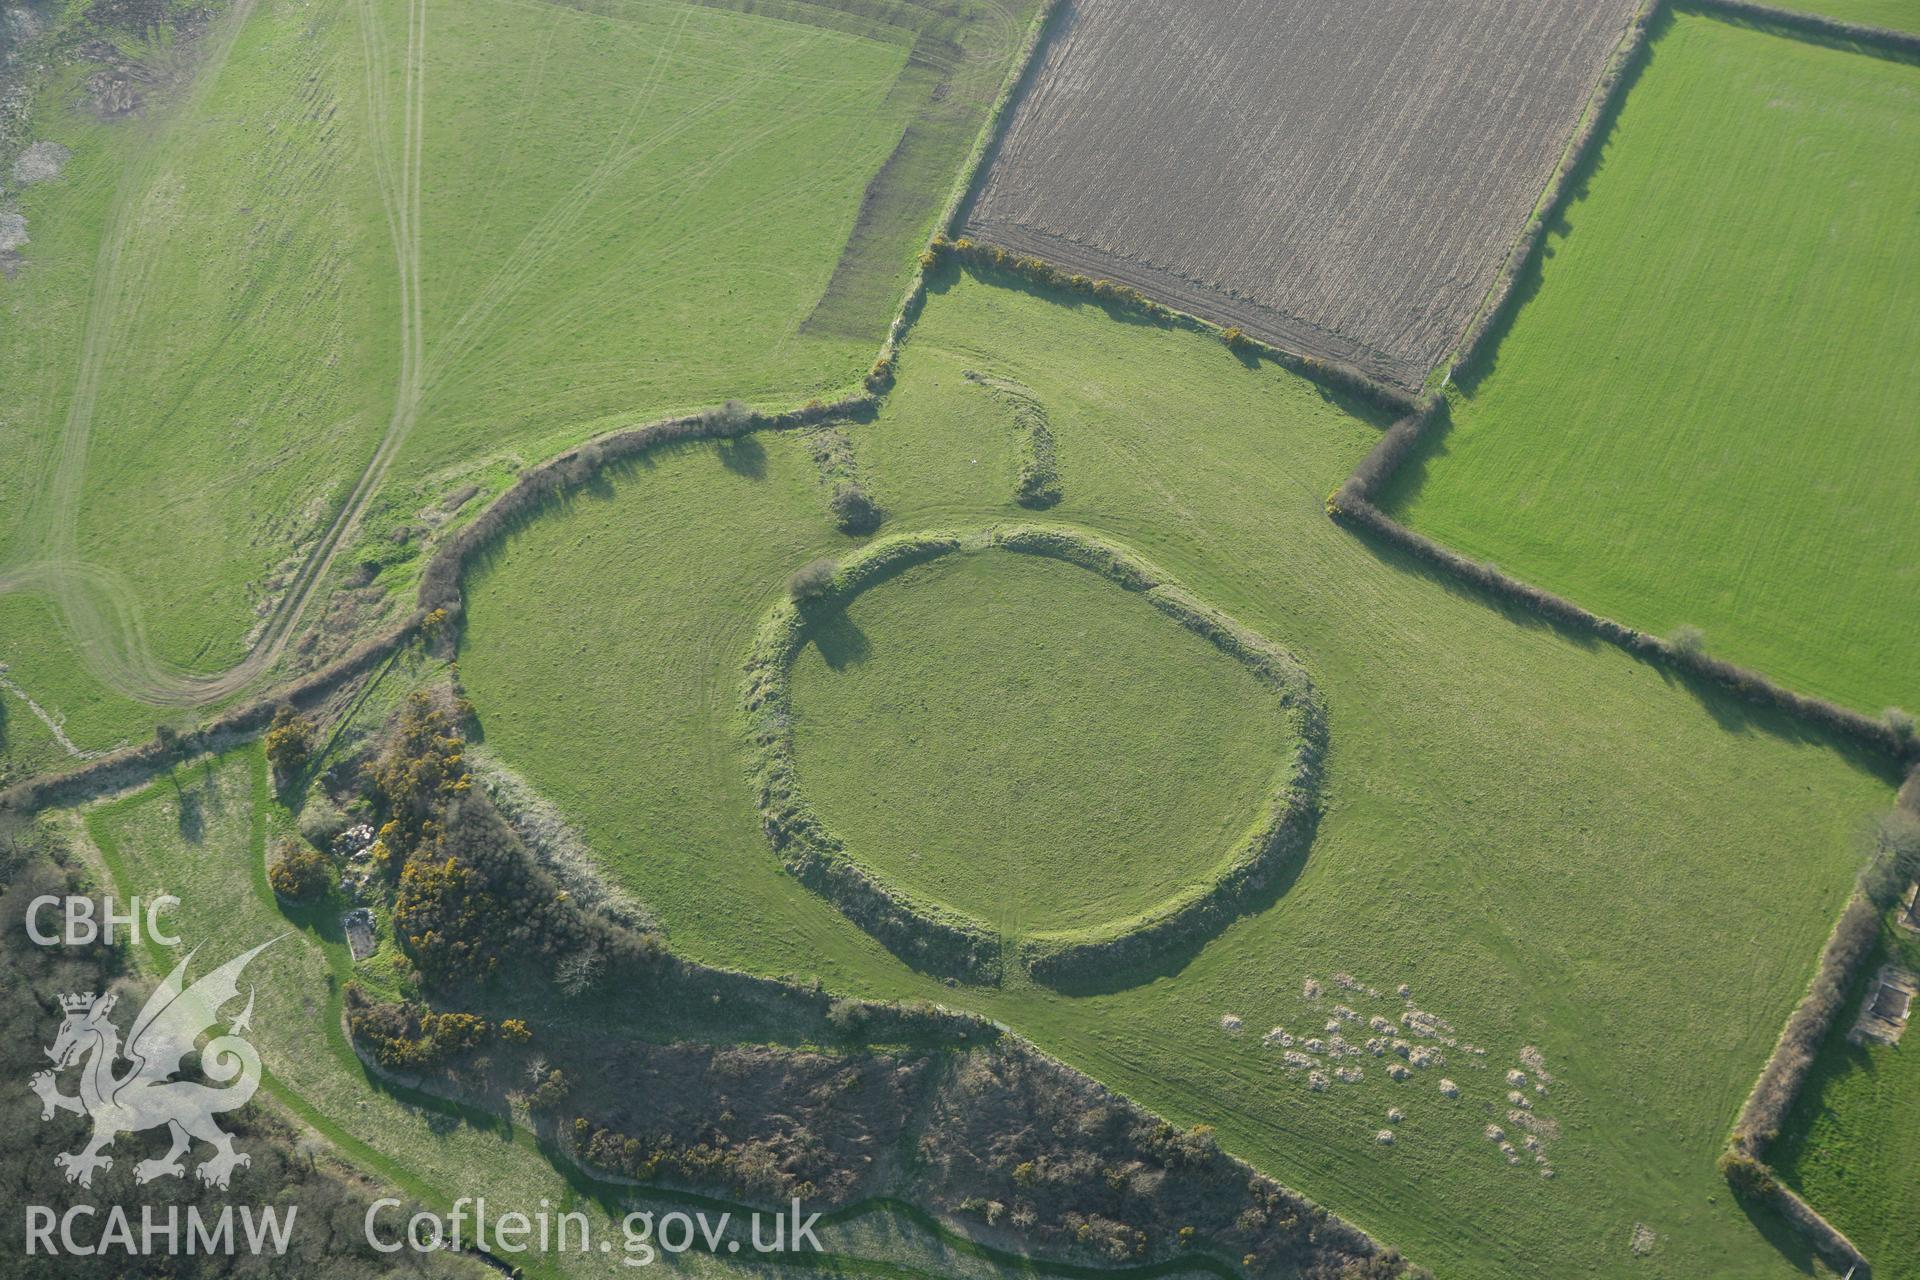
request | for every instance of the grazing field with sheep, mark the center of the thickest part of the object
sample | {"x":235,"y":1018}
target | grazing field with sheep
{"x":1560,"y":854}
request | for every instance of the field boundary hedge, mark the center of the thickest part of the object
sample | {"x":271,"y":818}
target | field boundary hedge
{"x":951,"y":943}
{"x":1352,"y":504}
{"x":1603,"y":105}
{"x":1860,"y":37}
{"x":1784,"y":1074}
{"x":1781,"y":1078}
{"x":438,"y":604}
{"x":880,"y":377}
{"x":987,"y":259}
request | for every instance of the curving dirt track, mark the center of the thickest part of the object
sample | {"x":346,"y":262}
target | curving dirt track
{"x":100,"y":610}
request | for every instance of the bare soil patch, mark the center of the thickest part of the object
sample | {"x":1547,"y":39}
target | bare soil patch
{"x":40,"y":162}
{"x":1343,"y":181}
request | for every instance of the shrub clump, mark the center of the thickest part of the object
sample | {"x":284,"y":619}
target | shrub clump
{"x":1900,"y":724}
{"x":1747,"y":1176}
{"x":411,"y":1037}
{"x":299,"y":872}
{"x":1893,"y":858}
{"x":854,"y":509}
{"x":1689,"y":640}
{"x":471,"y":901}
{"x":812,"y":580}
{"x":733,"y":416}
{"x":289,"y":742}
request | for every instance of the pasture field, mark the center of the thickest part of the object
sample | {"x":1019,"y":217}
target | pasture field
{"x":1610,"y":882}
{"x":1075,"y":755}
{"x":53,"y":674}
{"x":1702,"y":414}
{"x":201,"y":833}
{"x":346,"y":264}
{"x":1343,"y":181}
{"x":1895,"y":15}
{"x":1852,"y":1143}
{"x":196,"y":336}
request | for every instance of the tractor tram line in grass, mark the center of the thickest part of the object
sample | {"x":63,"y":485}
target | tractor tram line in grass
{"x":1675,"y":766}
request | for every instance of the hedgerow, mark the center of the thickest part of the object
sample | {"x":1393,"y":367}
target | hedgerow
{"x":1893,"y":859}
{"x":1603,"y":106}
{"x":988,"y":260}
{"x":1353,"y":504}
{"x":1903,"y":46}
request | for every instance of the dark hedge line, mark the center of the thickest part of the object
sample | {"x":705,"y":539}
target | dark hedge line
{"x":1786,"y":1069}
{"x":987,"y":259}
{"x":943,"y":941}
{"x":135,"y":764}
{"x":879,"y":378}
{"x":439,"y":600}
{"x":1352,"y":504}
{"x":1903,"y":45}
{"x":1895,"y":860}
{"x":440,"y":584}
{"x":1603,"y":107}
{"x":1743,"y":1163}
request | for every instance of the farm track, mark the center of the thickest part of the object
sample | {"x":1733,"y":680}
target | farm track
{"x":100,"y":609}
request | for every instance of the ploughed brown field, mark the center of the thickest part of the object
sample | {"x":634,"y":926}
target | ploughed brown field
{"x":1342,"y":180}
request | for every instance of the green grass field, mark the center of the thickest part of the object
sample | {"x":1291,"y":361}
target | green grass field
{"x":1896,"y":15}
{"x":1551,"y":843}
{"x":1025,"y":741}
{"x":48,"y":666}
{"x":1852,"y":1144}
{"x":1702,"y":417}
{"x":352,"y":262}
{"x":203,"y":337}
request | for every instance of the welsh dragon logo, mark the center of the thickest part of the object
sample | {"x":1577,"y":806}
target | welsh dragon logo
{"x":144,"y":1095}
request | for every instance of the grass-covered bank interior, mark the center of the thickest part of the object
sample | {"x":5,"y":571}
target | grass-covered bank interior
{"x":1550,"y":843}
